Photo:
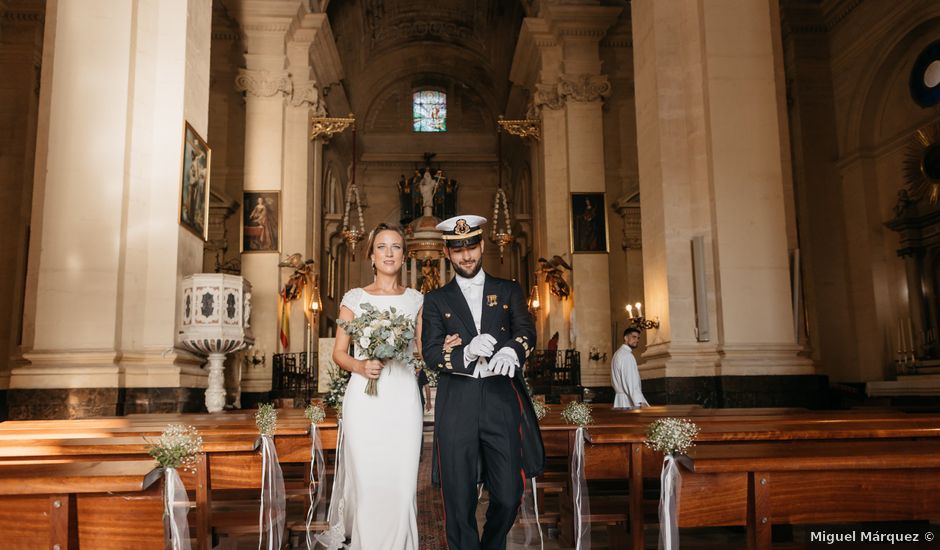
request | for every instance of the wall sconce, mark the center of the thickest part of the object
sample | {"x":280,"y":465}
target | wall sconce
{"x":255,"y":357}
{"x":315,"y":299}
{"x":534,"y":302}
{"x":596,"y":355}
{"x":639,"y":321}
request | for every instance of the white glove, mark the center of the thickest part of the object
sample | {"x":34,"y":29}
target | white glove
{"x":482,"y":345}
{"x":504,"y":362}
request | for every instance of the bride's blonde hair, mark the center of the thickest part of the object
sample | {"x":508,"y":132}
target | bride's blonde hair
{"x":386,"y":227}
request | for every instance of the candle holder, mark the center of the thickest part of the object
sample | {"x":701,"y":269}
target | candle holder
{"x":638,"y":320}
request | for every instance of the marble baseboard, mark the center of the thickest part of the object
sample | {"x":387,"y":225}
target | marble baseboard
{"x":164,"y":400}
{"x":62,"y":404}
{"x":809,"y":391}
{"x":66,"y":404}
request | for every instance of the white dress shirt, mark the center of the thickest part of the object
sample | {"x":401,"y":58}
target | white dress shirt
{"x":473,"y":292}
{"x":625,"y":377}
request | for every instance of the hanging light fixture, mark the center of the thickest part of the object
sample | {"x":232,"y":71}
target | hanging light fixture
{"x":501,"y":234}
{"x":353,"y":235}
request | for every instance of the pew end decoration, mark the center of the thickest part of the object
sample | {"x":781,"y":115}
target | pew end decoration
{"x":272,"y":513}
{"x":579,"y":414}
{"x":673,"y":437}
{"x":178,"y":447}
{"x":540,"y":409}
{"x":316,"y":414}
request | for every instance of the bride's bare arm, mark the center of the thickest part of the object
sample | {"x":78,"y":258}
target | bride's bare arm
{"x":370,"y":368}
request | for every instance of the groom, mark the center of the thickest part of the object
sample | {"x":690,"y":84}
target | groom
{"x":484,"y":426}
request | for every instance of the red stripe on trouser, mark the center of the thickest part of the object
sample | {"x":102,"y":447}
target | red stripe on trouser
{"x":521,"y":442}
{"x":440,"y":476}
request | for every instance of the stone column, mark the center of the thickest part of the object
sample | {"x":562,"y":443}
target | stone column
{"x":303,"y":165}
{"x":710,"y":141}
{"x":558,"y":59}
{"x":20,"y":58}
{"x":106,"y":248}
{"x":266,"y":83}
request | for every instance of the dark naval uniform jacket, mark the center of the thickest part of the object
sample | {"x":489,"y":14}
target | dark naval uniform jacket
{"x":506,"y":318}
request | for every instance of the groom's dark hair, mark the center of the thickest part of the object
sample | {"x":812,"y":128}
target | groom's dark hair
{"x":387,"y":227}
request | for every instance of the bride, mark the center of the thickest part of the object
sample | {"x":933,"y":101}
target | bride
{"x":382,"y":433}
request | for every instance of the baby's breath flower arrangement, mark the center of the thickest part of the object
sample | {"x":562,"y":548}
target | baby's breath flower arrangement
{"x":577,"y":413}
{"x":671,"y":436}
{"x":177,"y":447}
{"x":266,"y":419}
{"x":540,"y":409}
{"x":315,"y":413}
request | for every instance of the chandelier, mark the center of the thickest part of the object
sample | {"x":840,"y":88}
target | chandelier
{"x":353,"y":235}
{"x":501,"y":234}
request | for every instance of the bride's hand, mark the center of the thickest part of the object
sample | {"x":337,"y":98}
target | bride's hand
{"x":372,"y":368}
{"x":451,"y":341}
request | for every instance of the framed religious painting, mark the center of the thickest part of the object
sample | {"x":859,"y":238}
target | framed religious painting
{"x":194,"y":183}
{"x":261,"y":221}
{"x":589,"y":223}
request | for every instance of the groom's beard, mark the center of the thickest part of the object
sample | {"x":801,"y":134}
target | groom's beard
{"x":468,"y":274}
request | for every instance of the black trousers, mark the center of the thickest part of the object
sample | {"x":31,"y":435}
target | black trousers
{"x":480,"y":424}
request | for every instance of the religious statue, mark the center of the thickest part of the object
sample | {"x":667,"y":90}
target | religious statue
{"x":431,"y":276}
{"x":427,"y":186}
{"x":427,"y":193}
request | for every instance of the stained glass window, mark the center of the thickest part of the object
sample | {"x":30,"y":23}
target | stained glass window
{"x":430,"y":111}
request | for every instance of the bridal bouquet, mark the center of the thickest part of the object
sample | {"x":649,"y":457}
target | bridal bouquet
{"x":380,"y":334}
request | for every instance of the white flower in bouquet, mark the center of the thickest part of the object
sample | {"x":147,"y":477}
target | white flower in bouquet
{"x":390,"y":335}
{"x":671,"y":436}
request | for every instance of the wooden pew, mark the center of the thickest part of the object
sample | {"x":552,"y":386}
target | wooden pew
{"x":76,"y":504}
{"x":641,"y":463}
{"x":808,"y":482}
{"x":230,"y":443}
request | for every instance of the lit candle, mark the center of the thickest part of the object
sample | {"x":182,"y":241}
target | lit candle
{"x":639,"y":310}
{"x":630,"y":311}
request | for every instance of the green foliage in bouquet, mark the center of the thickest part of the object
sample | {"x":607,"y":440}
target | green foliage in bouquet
{"x":380,"y":334}
{"x":671,"y":435}
{"x":266,"y":419}
{"x":177,"y":447}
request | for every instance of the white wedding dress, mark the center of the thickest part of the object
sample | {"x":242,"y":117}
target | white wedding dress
{"x":381,"y":446}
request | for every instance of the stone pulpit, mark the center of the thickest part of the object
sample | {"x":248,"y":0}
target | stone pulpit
{"x":216,"y":313}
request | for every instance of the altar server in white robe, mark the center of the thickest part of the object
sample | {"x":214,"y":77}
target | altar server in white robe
{"x":625,"y":376}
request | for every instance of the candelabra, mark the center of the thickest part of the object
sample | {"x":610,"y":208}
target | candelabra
{"x":638,"y":320}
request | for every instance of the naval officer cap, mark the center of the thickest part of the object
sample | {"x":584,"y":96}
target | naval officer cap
{"x":461,"y":231}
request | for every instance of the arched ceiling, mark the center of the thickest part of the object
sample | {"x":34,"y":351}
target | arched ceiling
{"x":387,"y":42}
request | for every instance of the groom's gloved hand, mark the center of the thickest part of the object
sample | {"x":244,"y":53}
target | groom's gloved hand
{"x":504,"y":362}
{"x":482,"y":345}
